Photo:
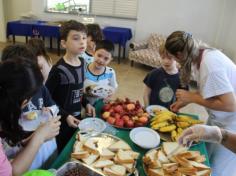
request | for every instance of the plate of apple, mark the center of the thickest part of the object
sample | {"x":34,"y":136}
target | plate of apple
{"x":125,"y":114}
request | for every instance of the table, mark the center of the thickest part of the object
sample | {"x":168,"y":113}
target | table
{"x":118,"y":36}
{"x":34,"y":28}
{"x":123,"y":134}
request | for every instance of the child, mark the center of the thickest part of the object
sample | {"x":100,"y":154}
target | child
{"x":44,"y":61}
{"x":99,"y":78}
{"x":161,"y":83}
{"x":94,"y":35}
{"x":41,"y":100}
{"x":12,"y":73}
{"x":66,"y":80}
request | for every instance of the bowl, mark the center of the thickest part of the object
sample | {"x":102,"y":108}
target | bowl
{"x":92,"y":125}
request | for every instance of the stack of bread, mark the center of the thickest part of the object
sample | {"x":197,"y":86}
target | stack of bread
{"x":171,"y":159}
{"x":118,"y":159}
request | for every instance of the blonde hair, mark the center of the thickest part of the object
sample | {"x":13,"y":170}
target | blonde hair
{"x":180,"y":41}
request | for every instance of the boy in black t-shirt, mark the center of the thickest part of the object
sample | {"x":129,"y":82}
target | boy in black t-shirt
{"x":66,"y":80}
{"x":161,"y":83}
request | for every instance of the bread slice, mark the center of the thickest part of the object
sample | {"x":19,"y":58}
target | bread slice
{"x":133,"y":154}
{"x":169,"y":148}
{"x":183,"y":162}
{"x":187,"y":170}
{"x":189,"y":154}
{"x":199,"y":166}
{"x":170,"y":167}
{"x":90,"y":159}
{"x":108,"y":171}
{"x":107,"y":154}
{"x":129,"y":167}
{"x":162,"y":157}
{"x":103,"y":163}
{"x":78,"y":147}
{"x":80,"y":155}
{"x":91,"y":146}
{"x":155,"y":172}
{"x":124,"y":157}
{"x":203,"y":173}
{"x":119,"y":145}
{"x":150,"y":159}
{"x":121,"y":170}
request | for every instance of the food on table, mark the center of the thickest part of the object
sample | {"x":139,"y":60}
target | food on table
{"x":117,"y":158}
{"x":171,"y":159}
{"x":31,"y":115}
{"x":125,"y":113}
{"x":168,"y":122}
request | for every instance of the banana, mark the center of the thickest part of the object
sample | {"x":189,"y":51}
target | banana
{"x":168,"y":128}
{"x":183,"y":124}
{"x":179,"y":130}
{"x":184,"y":118}
{"x":173,"y":135}
{"x":157,"y":125}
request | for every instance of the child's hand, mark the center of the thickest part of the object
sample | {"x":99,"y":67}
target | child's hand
{"x":90,"y":110}
{"x":72,"y":121}
{"x":48,"y":130}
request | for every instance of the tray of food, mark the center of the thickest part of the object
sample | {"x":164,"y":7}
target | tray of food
{"x":170,"y":125}
{"x":173,"y":159}
{"x":125,"y":114}
{"x":105,"y":153}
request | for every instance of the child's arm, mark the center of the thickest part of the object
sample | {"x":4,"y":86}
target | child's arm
{"x":146,"y":95}
{"x":45,"y":132}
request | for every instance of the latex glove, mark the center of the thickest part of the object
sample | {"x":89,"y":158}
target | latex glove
{"x":90,"y":110}
{"x":201,"y":133}
{"x":72,"y":121}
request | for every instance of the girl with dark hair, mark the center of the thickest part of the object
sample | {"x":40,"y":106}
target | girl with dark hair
{"x":214,"y":74}
{"x":19,"y":80}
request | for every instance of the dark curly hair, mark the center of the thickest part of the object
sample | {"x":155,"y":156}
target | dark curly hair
{"x":95,"y":32}
{"x":11,"y":51}
{"x":20,"y":79}
{"x":67,"y":26}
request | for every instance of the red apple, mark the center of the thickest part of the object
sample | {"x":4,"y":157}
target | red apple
{"x":119,"y":123}
{"x":111,"y":110}
{"x":143,"y":119}
{"x":111,"y":120}
{"x":129,"y":124}
{"x":105,"y":115}
{"x":138,"y":124}
{"x":118,"y":109}
{"x":117,"y":116}
{"x":106,"y":107}
{"x":125,"y":118}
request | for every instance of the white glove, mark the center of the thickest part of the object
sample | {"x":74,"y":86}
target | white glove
{"x":201,"y":133}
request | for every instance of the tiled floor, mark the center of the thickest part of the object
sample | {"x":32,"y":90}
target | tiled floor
{"x":130,"y":82}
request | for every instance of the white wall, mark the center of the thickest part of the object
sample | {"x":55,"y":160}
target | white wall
{"x":213,"y":21}
{"x":2,"y":23}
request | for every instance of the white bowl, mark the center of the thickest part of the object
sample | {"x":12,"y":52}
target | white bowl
{"x":145,"y":137}
{"x":92,"y":125}
{"x":150,"y":109}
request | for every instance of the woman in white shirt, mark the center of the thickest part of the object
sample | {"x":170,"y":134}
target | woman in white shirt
{"x":214,"y":73}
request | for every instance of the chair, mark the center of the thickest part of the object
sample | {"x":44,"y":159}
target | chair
{"x":147,"y":52}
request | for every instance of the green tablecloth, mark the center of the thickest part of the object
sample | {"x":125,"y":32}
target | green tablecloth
{"x":123,"y":134}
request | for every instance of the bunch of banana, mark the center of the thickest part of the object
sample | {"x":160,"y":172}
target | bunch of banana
{"x":167,"y":121}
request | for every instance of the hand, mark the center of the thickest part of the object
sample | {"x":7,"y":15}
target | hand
{"x":177,"y":105}
{"x":185,"y":96}
{"x":201,"y":133}
{"x":90,"y":110}
{"x":48,"y":130}
{"x":107,"y":99}
{"x":72,"y":121}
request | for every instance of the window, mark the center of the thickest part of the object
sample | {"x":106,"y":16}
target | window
{"x":111,"y":8}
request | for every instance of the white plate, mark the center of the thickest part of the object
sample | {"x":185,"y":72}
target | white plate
{"x":102,"y":91}
{"x":150,"y":109}
{"x":92,"y":125}
{"x":145,"y":137}
{"x":32,"y":125}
